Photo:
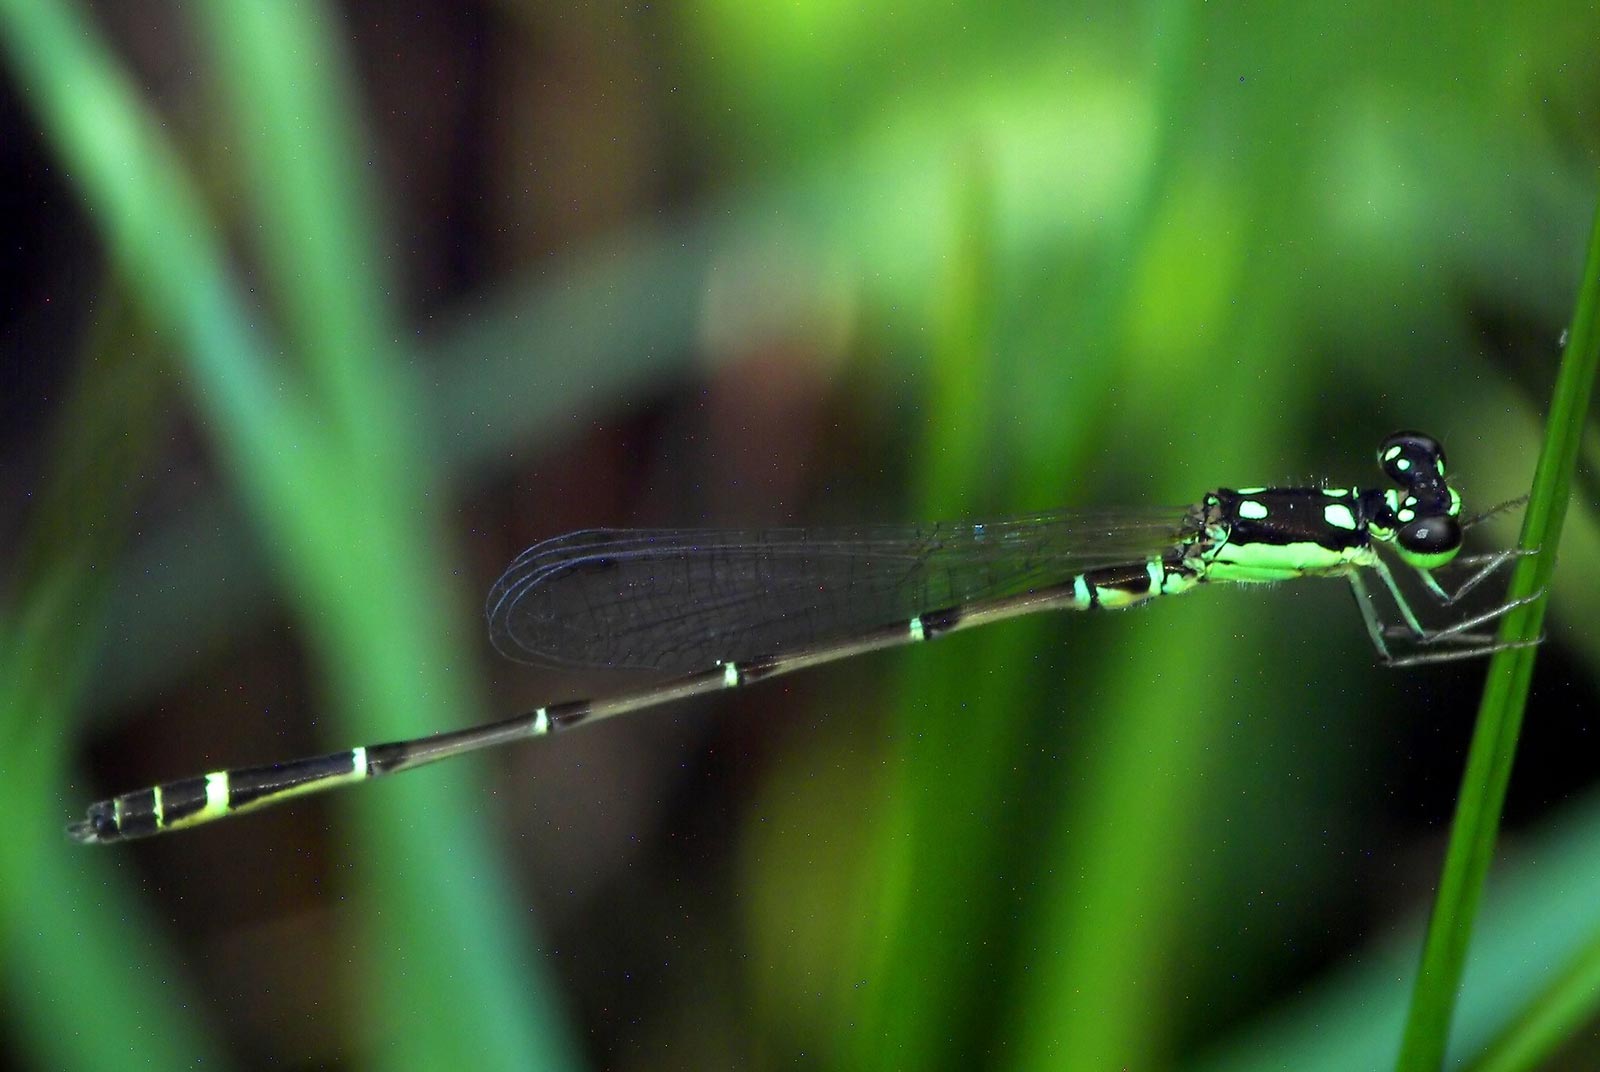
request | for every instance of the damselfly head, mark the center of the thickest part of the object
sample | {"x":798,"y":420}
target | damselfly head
{"x":1423,"y":516}
{"x":1412,"y":459}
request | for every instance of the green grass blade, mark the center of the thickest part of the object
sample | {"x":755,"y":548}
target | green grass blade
{"x":287,"y":81}
{"x":87,"y":980}
{"x":395,"y":662}
{"x":1536,"y":917}
{"x":1567,"y":1005}
{"x":1494,"y":740}
{"x":916,"y":1014}
{"x":454,"y":981}
{"x":152,"y":220}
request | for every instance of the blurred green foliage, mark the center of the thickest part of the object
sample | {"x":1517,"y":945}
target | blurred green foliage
{"x":791,"y":261}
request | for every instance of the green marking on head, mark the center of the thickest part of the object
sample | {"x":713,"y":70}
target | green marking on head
{"x":1252,"y":510}
{"x":1421,"y":517}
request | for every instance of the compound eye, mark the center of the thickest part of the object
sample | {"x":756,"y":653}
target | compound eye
{"x":1411,"y":458}
{"x":1437,"y":535}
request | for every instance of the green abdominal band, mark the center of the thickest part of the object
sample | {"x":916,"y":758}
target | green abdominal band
{"x":1115,"y":587}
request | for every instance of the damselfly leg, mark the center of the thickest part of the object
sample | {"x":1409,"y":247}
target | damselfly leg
{"x":1458,"y":639}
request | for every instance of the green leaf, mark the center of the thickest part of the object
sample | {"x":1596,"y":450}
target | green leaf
{"x":1494,"y":740}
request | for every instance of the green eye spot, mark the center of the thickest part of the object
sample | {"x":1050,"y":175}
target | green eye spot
{"x":1252,"y":510}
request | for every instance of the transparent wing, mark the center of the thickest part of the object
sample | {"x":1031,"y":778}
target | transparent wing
{"x":684,"y":599}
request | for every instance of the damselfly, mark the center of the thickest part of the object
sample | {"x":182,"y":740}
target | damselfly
{"x":719,"y":609}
